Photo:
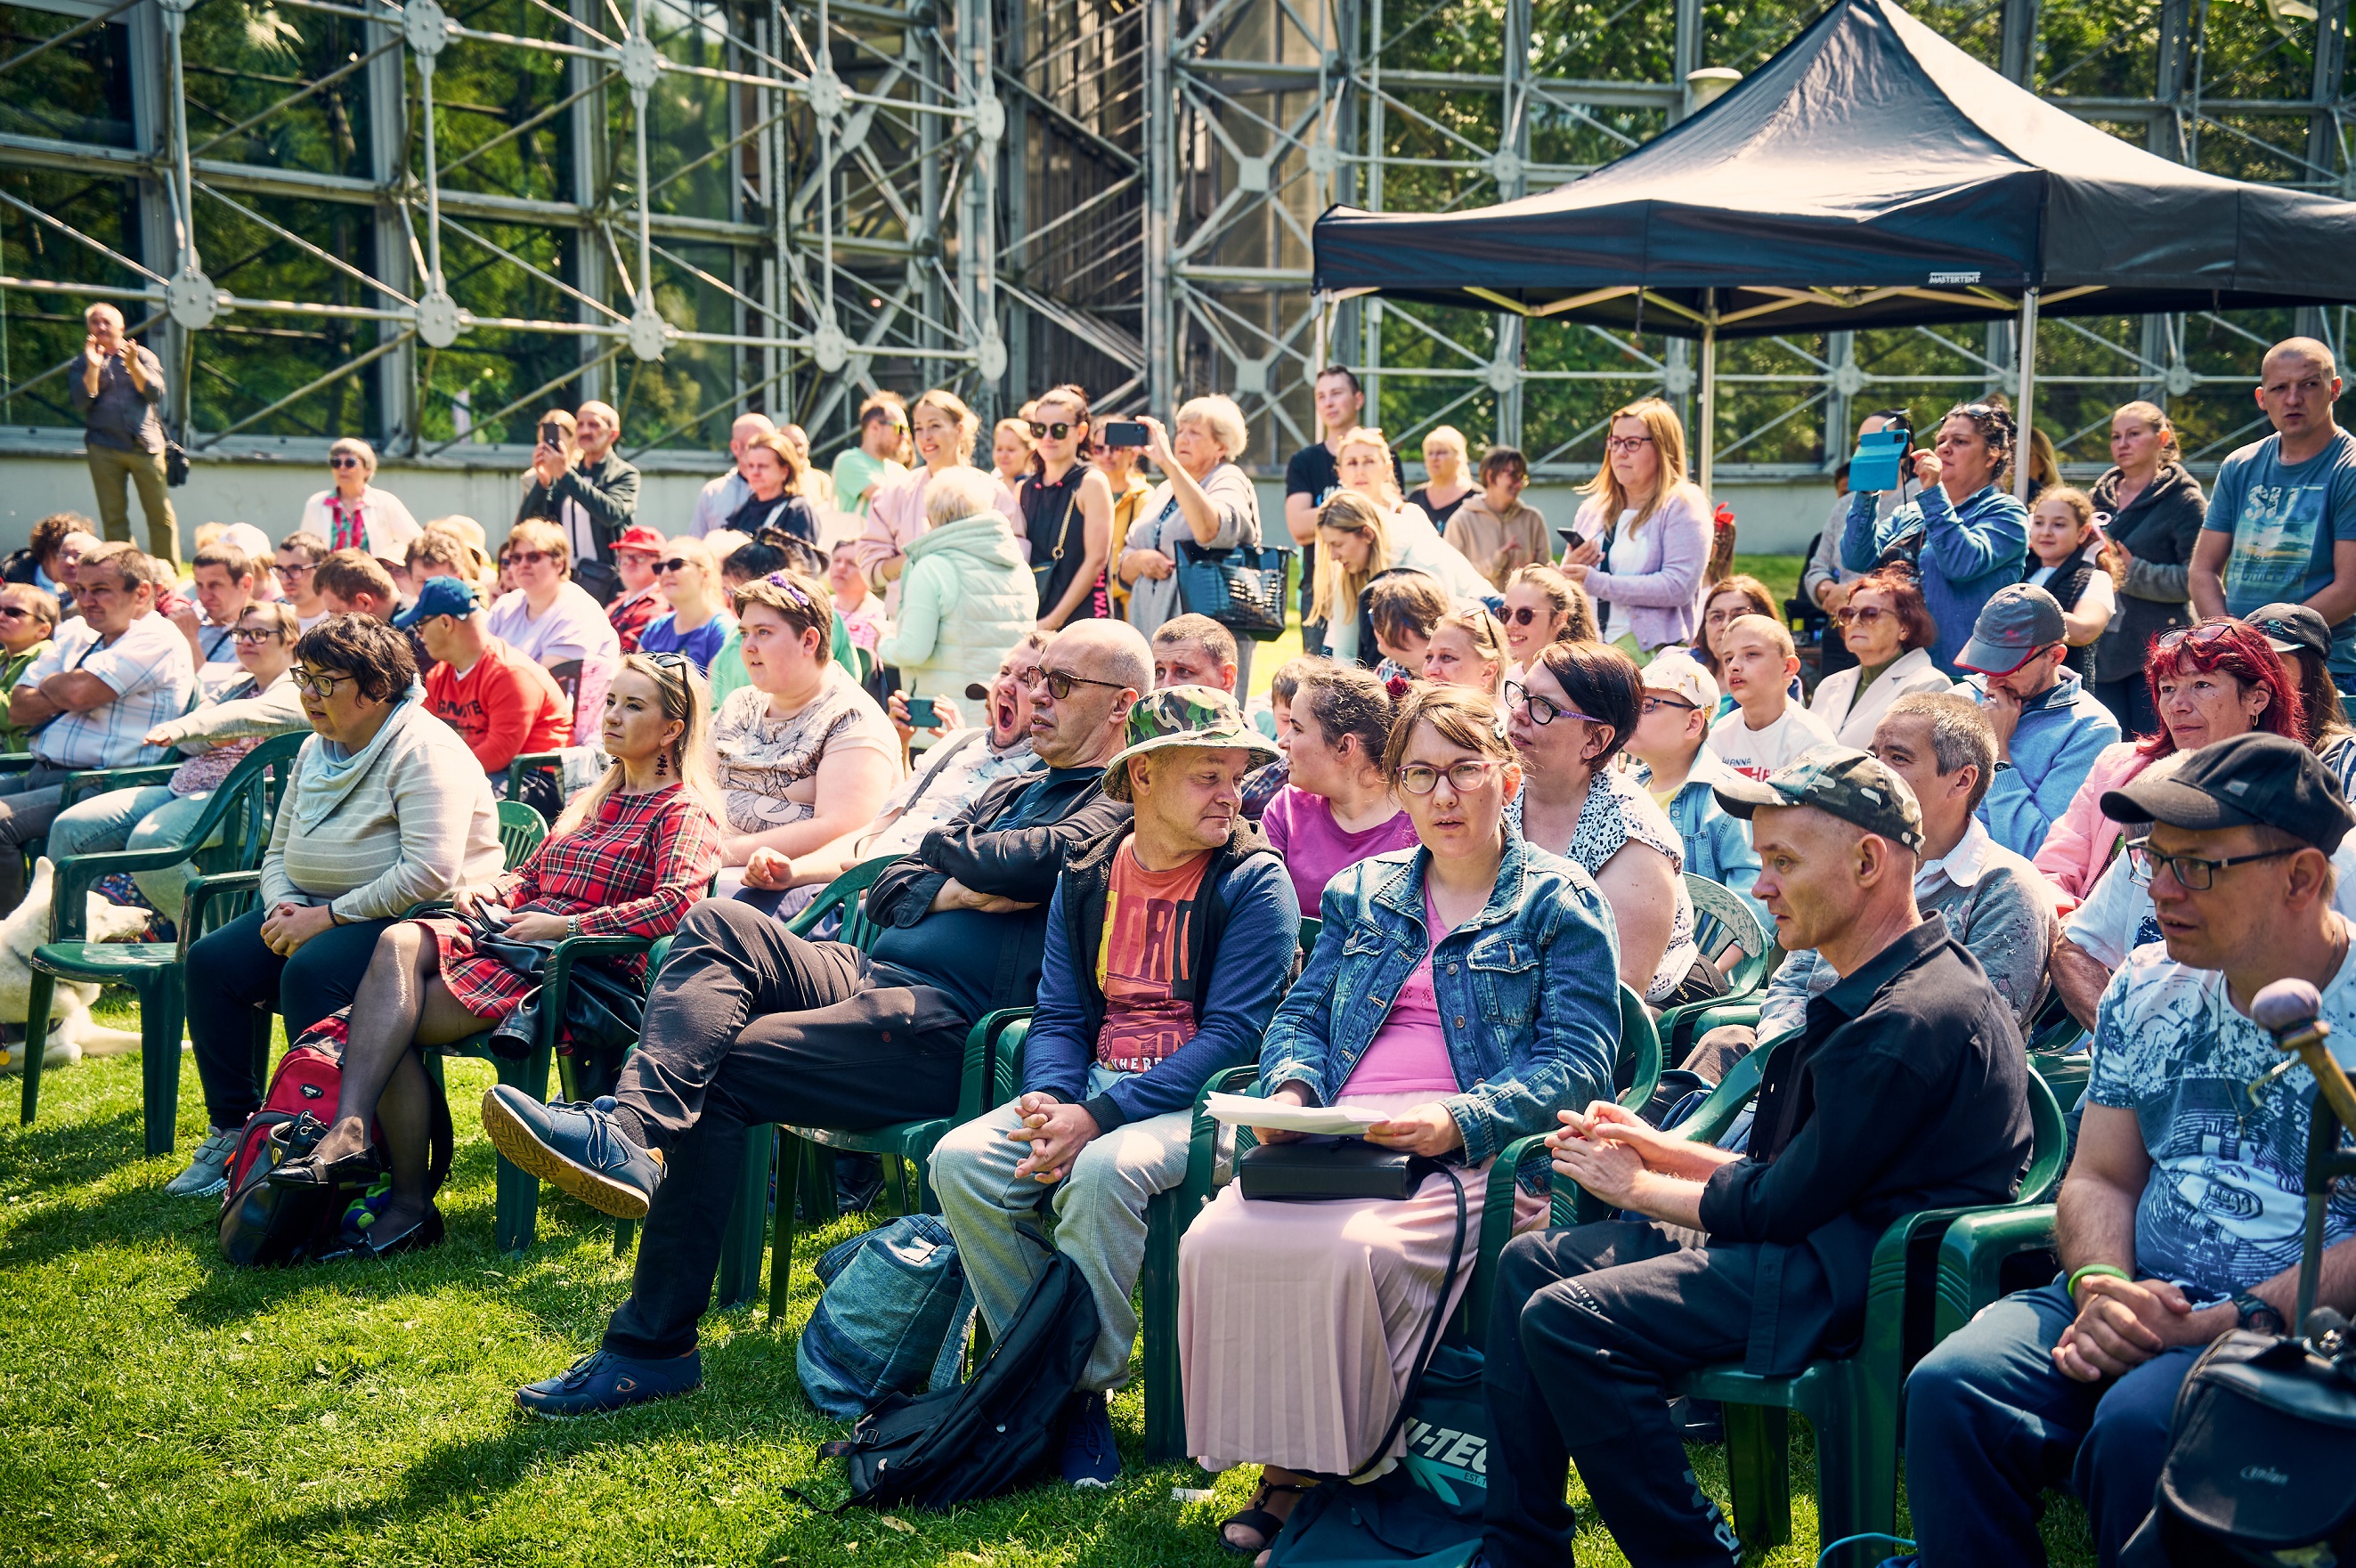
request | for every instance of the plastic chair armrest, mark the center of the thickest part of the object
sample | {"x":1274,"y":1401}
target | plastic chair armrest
{"x":99,"y":780}
{"x":1972,"y":1255}
{"x":203,"y":890}
{"x":976,"y":1082}
{"x":567,"y":952}
{"x":1496,"y":1229}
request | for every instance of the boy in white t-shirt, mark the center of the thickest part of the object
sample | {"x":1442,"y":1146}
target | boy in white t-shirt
{"x":1766,"y":730}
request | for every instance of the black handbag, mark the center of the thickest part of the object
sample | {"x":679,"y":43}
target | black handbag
{"x":1320,"y":1170}
{"x":601,"y":1010}
{"x":1244,"y":590}
{"x":176,"y":463}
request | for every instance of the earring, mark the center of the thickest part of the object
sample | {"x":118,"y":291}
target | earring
{"x":662,"y":765}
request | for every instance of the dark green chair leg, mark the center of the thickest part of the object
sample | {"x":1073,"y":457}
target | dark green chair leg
{"x":741,"y":1243}
{"x":1856,"y":1429}
{"x":1165,"y":1400}
{"x":1758,"y":1468}
{"x":625,"y":1232}
{"x":160,"y":1006}
{"x":262,"y":1018}
{"x":790,"y":1162}
{"x":39,"y":998}
{"x":516,"y":1217}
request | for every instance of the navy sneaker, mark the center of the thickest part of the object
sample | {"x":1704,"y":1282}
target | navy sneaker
{"x":1089,"y":1457}
{"x":577,"y":1146}
{"x":605,"y":1382}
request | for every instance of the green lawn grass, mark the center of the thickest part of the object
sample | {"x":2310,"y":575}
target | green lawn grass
{"x":164,"y":1407}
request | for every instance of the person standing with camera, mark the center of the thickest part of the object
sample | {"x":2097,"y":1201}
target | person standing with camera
{"x":576,"y":479}
{"x":1204,"y":499}
{"x":117,"y":393}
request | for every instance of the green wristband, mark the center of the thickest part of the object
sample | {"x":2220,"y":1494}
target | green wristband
{"x":2113,"y":1269}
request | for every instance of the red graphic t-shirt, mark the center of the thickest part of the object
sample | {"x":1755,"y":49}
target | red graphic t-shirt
{"x":1140,"y":962}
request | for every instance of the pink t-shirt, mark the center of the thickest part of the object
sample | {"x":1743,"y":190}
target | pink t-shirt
{"x":1315,"y":850}
{"x":1408,"y":1055}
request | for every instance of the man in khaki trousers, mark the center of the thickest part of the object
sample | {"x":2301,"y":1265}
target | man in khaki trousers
{"x":117,"y":393}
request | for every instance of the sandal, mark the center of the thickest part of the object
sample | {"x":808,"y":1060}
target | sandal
{"x":1257,"y":1518}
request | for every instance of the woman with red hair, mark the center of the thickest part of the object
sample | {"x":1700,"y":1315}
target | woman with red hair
{"x":2207,"y":682}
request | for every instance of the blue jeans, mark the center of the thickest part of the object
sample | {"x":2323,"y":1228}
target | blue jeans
{"x":151,"y":817}
{"x":1991,"y":1422}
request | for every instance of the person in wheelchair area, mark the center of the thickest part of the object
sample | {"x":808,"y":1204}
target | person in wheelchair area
{"x":1907,"y":1090}
{"x":2181,"y":1218}
{"x":628,"y":858}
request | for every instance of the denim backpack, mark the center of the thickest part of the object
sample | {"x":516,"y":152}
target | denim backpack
{"x":891,"y":1320}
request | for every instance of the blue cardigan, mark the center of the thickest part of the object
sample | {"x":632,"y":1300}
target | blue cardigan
{"x":1968,"y":552}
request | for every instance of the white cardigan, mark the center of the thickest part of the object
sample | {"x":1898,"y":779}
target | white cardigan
{"x":1910,"y":673}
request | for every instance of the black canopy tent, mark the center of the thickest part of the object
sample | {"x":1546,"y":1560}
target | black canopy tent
{"x":1871,"y":173}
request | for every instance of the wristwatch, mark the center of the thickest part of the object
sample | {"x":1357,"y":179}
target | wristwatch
{"x":2258,"y":1315}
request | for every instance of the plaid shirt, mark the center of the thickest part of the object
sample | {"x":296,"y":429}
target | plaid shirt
{"x":632,"y":870}
{"x":153,"y":679}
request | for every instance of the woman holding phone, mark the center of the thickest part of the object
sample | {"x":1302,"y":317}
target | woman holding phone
{"x":1204,"y":499}
{"x":1643,"y":533}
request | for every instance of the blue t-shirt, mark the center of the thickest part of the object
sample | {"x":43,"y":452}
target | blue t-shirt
{"x":701,"y":646}
{"x":2223,"y":1208}
{"x":2285,"y":519}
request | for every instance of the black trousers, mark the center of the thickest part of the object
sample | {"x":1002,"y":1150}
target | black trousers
{"x":1589,"y":1324}
{"x":230,"y":974}
{"x":748,"y":1024}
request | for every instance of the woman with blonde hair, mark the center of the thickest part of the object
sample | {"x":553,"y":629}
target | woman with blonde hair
{"x":1365,"y":465}
{"x":1010,"y":451}
{"x":2150,"y":509}
{"x":1444,"y":486}
{"x":697,"y":623}
{"x":1543,"y":606}
{"x":353,"y":514}
{"x":1466,"y":649}
{"x":945,"y":431}
{"x":1644,"y":532}
{"x":628,"y":858}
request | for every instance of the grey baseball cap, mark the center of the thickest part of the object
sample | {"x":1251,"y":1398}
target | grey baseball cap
{"x":2289,"y":627}
{"x":1854,"y":786}
{"x":2012,"y":627}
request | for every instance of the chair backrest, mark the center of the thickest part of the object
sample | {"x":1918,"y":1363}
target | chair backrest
{"x":1310,"y":926}
{"x":2049,"y":1146}
{"x":848,"y":895}
{"x":530,"y":762}
{"x":1722,"y":921}
{"x":1640,"y":1051}
{"x":522,"y":831}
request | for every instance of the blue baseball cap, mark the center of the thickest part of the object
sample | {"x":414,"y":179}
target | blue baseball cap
{"x":439,"y":597}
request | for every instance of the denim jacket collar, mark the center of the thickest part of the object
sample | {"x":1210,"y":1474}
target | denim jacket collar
{"x":1402,"y":894}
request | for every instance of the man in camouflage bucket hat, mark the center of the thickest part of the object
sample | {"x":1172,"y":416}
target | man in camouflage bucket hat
{"x":1906,"y":1090}
{"x":1169,"y":944}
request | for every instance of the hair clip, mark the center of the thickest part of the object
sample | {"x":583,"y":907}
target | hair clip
{"x":793,"y":590}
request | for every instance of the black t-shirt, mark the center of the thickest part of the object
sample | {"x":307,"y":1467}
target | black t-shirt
{"x":1434,"y":511}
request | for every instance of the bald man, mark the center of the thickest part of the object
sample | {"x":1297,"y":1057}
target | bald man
{"x":592,"y":496}
{"x":722,"y":496}
{"x":2282,"y":515}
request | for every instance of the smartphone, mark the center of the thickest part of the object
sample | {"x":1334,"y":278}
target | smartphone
{"x":551,"y":435}
{"x":921,"y":714}
{"x":1881,"y":459}
{"x":1123,"y":432}
{"x":1570,"y":537}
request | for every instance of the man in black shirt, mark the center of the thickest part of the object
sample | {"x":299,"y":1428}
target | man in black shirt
{"x":748,"y":1024}
{"x":1906,"y":1090}
{"x":593,"y":498}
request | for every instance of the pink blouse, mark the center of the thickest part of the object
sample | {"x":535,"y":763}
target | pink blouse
{"x":1408,"y":1055}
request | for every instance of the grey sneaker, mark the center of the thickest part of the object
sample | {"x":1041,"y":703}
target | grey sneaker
{"x":207,"y":1172}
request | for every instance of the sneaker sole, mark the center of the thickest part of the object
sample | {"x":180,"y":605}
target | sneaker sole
{"x":213,"y":1189}
{"x":525,"y":1152}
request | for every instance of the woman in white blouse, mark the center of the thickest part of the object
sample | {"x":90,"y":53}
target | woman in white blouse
{"x":1889,"y":630}
{"x":1643,"y":533}
{"x":353,"y":514}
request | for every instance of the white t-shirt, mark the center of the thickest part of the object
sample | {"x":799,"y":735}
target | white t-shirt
{"x":572,"y":628}
{"x":1624,"y":559}
{"x":1760,"y":752}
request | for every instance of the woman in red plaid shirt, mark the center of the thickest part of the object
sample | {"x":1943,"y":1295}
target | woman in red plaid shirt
{"x":629,"y":857}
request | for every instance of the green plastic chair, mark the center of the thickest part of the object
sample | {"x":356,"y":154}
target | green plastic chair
{"x":529,"y":762}
{"x":240,"y":813}
{"x":1169,"y":1213}
{"x":522,"y":831}
{"x":1722,"y":921}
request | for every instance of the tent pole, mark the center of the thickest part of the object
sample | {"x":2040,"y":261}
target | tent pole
{"x":1706,"y":416}
{"x":2024,"y":405}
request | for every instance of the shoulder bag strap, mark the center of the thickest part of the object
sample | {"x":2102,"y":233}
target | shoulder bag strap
{"x":1430,"y":1332}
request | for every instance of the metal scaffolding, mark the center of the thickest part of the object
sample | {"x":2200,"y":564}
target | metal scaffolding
{"x":425,"y":223}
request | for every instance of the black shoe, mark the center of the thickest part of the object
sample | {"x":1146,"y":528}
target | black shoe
{"x":358,"y":1169}
{"x":427,"y":1232}
{"x":858,"y":1182}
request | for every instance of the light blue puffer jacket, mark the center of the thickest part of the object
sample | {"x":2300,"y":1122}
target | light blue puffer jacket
{"x":967,"y":597}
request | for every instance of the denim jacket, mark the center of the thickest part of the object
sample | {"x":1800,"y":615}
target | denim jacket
{"x":1528,"y":991}
{"x":1969,"y":551}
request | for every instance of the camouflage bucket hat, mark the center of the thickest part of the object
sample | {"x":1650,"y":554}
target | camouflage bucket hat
{"x":1851,"y":785}
{"x":1185,"y":716}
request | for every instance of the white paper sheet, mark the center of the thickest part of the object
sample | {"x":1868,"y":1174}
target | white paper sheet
{"x":1336,"y":1120}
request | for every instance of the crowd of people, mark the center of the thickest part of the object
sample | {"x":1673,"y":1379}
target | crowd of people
{"x":2088,"y":753}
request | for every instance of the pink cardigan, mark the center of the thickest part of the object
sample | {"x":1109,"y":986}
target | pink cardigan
{"x":2078,"y":846}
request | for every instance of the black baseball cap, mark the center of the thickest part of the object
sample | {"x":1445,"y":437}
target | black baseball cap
{"x":2289,"y":627}
{"x":2252,"y":781}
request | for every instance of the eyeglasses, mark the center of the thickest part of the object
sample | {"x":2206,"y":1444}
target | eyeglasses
{"x":1652,"y":705}
{"x":343,"y":460}
{"x":286,"y":571}
{"x":529,"y":557}
{"x":1523,"y":614}
{"x":2191,"y":637}
{"x":249,"y":633}
{"x":2193,"y":874}
{"x":1864,"y":615}
{"x":1625,"y":443}
{"x":1422,"y":778}
{"x":1542,"y":711}
{"x":311,"y":683}
{"x":1056,"y":432}
{"x":1059,"y":682}
{"x":14,"y":612}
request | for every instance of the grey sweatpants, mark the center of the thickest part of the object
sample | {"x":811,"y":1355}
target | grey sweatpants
{"x":1100,"y":1211}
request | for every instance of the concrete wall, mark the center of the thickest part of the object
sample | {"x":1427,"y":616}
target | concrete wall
{"x":1772,"y":519}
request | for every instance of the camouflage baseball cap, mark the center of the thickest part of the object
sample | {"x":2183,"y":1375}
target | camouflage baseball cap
{"x":1849,"y":784}
{"x":1183,"y":715}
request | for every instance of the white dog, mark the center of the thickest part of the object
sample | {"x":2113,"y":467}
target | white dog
{"x":72,"y":1033}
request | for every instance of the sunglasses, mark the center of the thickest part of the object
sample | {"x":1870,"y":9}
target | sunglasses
{"x":1864,"y":616}
{"x":344,"y":461}
{"x":14,"y":612}
{"x":676,"y":563}
{"x":1056,"y":432}
{"x":2195,"y":637}
{"x":1059,"y":683}
{"x":1524,"y":615}
{"x":529,"y":557}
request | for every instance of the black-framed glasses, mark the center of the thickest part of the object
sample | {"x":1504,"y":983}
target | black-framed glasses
{"x":297,"y":571}
{"x":1543,"y":711}
{"x":313,"y":683}
{"x":1625,"y":443}
{"x":15,"y":612}
{"x":1653,"y":704}
{"x":1056,"y":432}
{"x":1422,"y":778}
{"x":256,"y":634}
{"x":1059,"y":682}
{"x":2192,"y":872}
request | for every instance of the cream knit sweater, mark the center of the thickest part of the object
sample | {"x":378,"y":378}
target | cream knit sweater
{"x":411,"y":819}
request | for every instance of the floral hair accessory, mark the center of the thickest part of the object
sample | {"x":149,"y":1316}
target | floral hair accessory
{"x":1399,"y":686}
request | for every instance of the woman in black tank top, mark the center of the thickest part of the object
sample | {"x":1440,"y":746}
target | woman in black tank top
{"x":1066,"y":512}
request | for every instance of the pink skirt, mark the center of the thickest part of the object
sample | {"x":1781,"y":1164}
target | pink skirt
{"x":1299,"y":1323}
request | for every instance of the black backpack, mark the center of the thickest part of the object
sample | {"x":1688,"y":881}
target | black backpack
{"x":2262,"y":1461}
{"x":988,"y":1434}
